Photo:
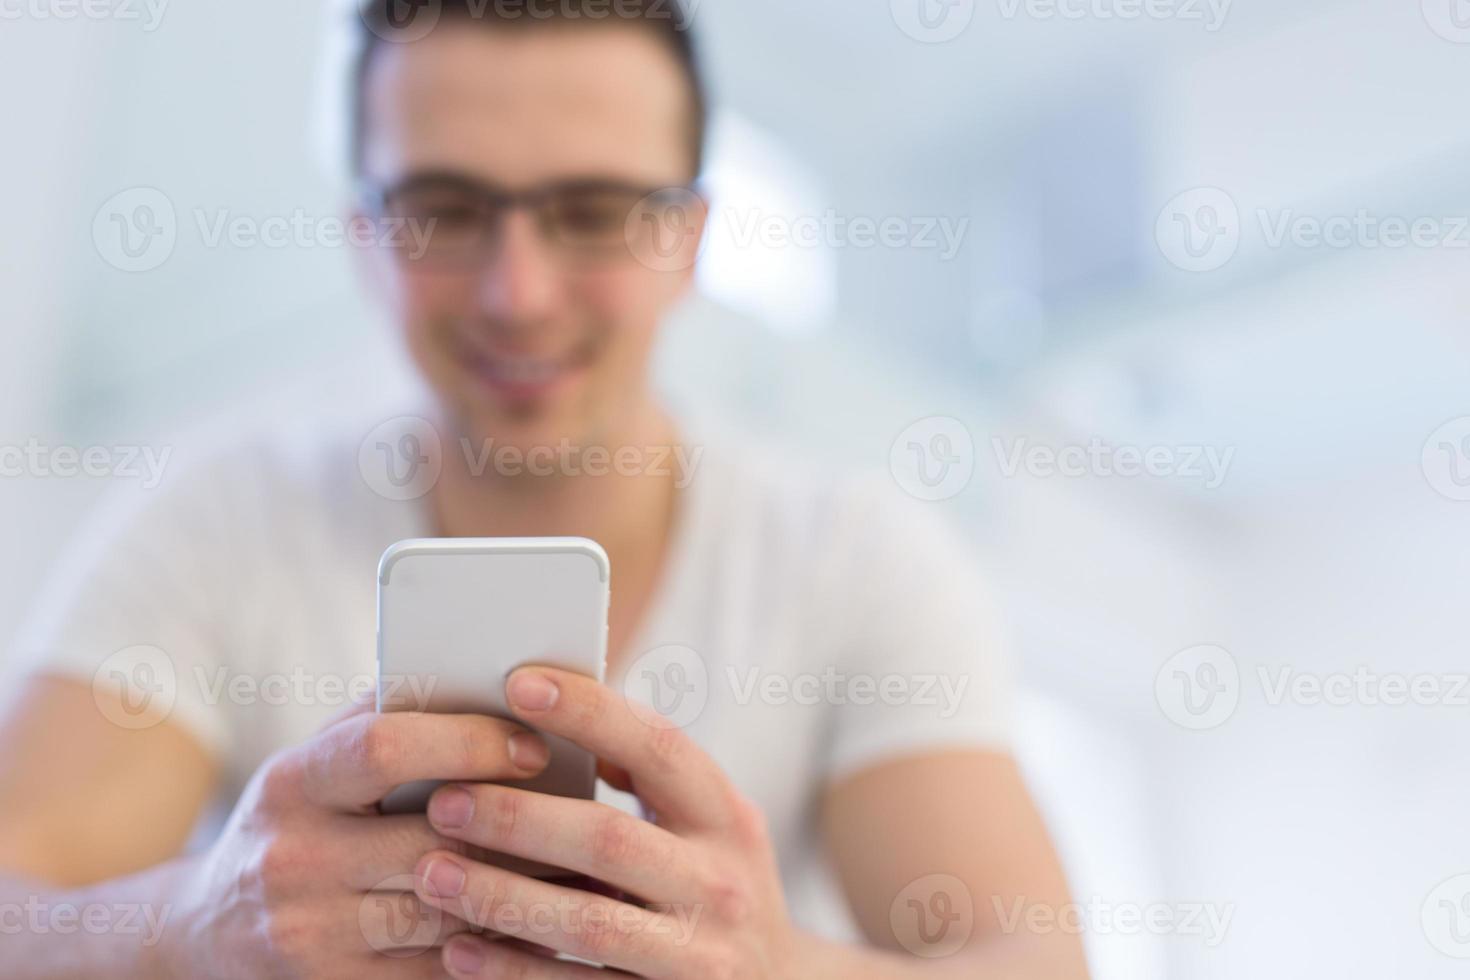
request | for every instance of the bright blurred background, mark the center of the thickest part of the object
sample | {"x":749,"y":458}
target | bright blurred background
{"x":1133,"y":189}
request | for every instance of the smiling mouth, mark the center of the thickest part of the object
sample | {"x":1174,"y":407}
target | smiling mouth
{"x":522,"y":377}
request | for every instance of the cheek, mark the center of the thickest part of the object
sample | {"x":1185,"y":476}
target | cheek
{"x":627,"y":301}
{"x":421,"y":300}
{"x":428,"y":295}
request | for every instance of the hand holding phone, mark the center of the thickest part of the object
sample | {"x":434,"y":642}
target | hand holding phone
{"x":457,"y":615}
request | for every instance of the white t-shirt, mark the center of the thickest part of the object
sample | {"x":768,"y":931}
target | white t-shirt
{"x":836,"y":622}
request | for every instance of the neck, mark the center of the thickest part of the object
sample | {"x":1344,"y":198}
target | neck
{"x":563,"y":490}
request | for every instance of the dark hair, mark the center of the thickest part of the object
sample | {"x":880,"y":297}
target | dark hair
{"x":382,"y":22}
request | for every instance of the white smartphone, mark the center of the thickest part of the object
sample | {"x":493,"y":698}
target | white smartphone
{"x":457,"y":615}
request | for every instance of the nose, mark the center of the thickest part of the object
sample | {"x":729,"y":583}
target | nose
{"x":520,"y":283}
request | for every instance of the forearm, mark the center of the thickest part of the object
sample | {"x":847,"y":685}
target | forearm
{"x":1007,"y":957}
{"x":116,"y":928}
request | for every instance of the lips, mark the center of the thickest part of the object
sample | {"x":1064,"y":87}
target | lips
{"x":520,"y":370}
{"x":521,"y":377}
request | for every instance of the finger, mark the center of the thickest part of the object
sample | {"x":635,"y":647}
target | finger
{"x":396,"y":924}
{"x":569,"y":921}
{"x":354,"y":764}
{"x":469,"y":957}
{"x":363,"y":704}
{"x":371,"y":849}
{"x":427,"y":965}
{"x":669,"y":772}
{"x":590,"y":838}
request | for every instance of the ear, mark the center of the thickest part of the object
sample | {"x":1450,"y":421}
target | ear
{"x":697,"y":214}
{"x":665,"y":233}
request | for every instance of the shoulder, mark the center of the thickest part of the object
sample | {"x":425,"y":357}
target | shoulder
{"x":236,"y":488}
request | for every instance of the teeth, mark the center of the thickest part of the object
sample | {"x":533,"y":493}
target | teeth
{"x":522,"y":371}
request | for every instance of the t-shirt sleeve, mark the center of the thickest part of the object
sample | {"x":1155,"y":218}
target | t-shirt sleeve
{"x":127,"y":609}
{"x":920,"y":656}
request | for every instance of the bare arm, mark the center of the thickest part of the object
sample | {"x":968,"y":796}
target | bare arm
{"x":84,"y":800}
{"x":966,"y":816}
{"x":85,"y":807}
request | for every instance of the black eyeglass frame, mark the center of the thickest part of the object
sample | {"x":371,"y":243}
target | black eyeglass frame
{"x":374,"y":197}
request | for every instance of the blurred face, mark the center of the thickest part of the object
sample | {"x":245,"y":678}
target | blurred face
{"x":519,"y":153}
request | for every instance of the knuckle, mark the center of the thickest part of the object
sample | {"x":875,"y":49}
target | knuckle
{"x":598,"y":934}
{"x":279,"y":867}
{"x":749,"y":819}
{"x":712,"y":961}
{"x":614,"y":841}
{"x":468,"y":746}
{"x":492,"y":899}
{"x":731,"y":901}
{"x":721,"y":964}
{"x":502,"y":812}
{"x":280,"y":782}
{"x":289,"y":936}
{"x":378,"y":746}
{"x":668,"y":747}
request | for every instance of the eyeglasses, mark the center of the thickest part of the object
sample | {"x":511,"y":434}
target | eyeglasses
{"x":451,"y":220}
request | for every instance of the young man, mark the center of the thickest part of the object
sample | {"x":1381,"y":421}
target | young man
{"x":550,"y":156}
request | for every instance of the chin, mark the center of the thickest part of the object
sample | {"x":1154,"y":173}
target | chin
{"x":526,"y":427}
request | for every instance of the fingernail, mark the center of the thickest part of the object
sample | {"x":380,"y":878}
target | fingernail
{"x":466,"y":956}
{"x":451,"y":807}
{"x":528,"y":752}
{"x":531,"y":691}
{"x":444,"y":878}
